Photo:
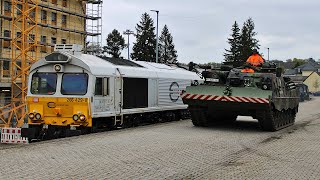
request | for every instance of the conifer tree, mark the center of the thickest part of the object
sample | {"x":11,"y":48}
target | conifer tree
{"x":233,"y":54}
{"x":167,"y":52}
{"x":247,"y":40}
{"x":115,"y":44}
{"x":144,"y":49}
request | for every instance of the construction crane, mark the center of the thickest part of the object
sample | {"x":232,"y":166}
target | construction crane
{"x":24,"y":22}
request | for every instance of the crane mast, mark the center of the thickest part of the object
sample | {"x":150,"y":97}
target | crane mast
{"x":24,"y":20}
{"x":24,"y":17}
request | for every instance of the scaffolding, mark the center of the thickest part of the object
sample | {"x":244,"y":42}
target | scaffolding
{"x":29,"y":30}
{"x":94,"y":26}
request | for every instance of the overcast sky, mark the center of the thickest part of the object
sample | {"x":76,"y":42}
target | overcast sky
{"x":200,"y":28}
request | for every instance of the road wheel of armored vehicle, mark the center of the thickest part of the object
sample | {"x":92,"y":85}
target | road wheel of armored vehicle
{"x":199,"y":116}
{"x":268,"y":120}
{"x":274,"y":120}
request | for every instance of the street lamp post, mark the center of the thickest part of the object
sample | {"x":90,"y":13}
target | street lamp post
{"x":128,"y":32}
{"x":268,"y":54}
{"x":157,"y":34}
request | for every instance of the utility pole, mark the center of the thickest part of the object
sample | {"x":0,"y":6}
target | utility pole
{"x":157,"y":55}
{"x":128,"y":32}
{"x":268,"y":54}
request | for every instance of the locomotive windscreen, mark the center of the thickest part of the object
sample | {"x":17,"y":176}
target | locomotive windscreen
{"x":135,"y":93}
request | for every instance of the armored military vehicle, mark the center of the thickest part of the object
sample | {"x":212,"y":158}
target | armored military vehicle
{"x":228,"y":92}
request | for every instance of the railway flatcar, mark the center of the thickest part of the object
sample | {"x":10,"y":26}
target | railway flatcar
{"x":72,"y":93}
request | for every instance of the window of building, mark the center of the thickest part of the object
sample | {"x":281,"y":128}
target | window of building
{"x":7,"y":6}
{"x":19,"y":64}
{"x":32,"y":14}
{"x":64,"y":3}
{"x":54,"y":18}
{"x":32,"y":37}
{"x":18,"y":34}
{"x":7,"y":34}
{"x":43,"y":15}
{"x":19,"y":6}
{"x":6,"y":68}
{"x":299,"y":70}
{"x":43,"y":39}
{"x":63,"y":41}
{"x":6,"y":65}
{"x":64,"y":20}
{"x":53,"y":40}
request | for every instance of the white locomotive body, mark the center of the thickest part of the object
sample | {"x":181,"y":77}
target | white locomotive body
{"x":73,"y":90}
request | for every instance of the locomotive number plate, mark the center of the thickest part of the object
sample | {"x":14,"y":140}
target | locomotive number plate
{"x":77,"y":100}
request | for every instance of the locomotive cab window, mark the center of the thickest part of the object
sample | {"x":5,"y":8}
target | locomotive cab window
{"x":74,"y":84}
{"x":102,"y":87}
{"x":44,"y":83}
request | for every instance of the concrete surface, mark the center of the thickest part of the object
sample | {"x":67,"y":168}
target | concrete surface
{"x":176,"y":150}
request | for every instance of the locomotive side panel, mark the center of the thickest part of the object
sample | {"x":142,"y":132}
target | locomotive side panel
{"x":169,"y":91}
{"x":104,"y":96}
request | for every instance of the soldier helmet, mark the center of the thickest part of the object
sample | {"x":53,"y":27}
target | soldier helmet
{"x":254,"y":51}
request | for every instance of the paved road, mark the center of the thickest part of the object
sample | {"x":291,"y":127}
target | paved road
{"x":176,"y":150}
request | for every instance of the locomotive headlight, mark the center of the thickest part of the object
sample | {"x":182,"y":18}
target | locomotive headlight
{"x":57,"y":67}
{"x":31,"y":115}
{"x":75,"y":117}
{"x":38,"y":116}
{"x":82,"y":117}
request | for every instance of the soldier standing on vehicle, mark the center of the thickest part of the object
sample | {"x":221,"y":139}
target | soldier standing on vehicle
{"x":255,"y":59}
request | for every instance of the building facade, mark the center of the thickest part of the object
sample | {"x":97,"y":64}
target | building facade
{"x":308,"y":74}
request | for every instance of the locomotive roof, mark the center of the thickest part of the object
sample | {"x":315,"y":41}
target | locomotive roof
{"x":140,"y":69}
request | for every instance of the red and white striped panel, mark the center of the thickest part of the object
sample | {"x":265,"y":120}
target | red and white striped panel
{"x":12,"y":135}
{"x":225,"y":98}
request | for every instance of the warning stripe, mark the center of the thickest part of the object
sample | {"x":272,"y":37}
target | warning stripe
{"x":225,"y":98}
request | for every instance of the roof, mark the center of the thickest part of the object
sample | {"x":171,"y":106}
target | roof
{"x":289,"y":65}
{"x":290,"y":72}
{"x":311,"y":65}
{"x":120,"y":62}
{"x":297,"y":79}
{"x":141,"y":69}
